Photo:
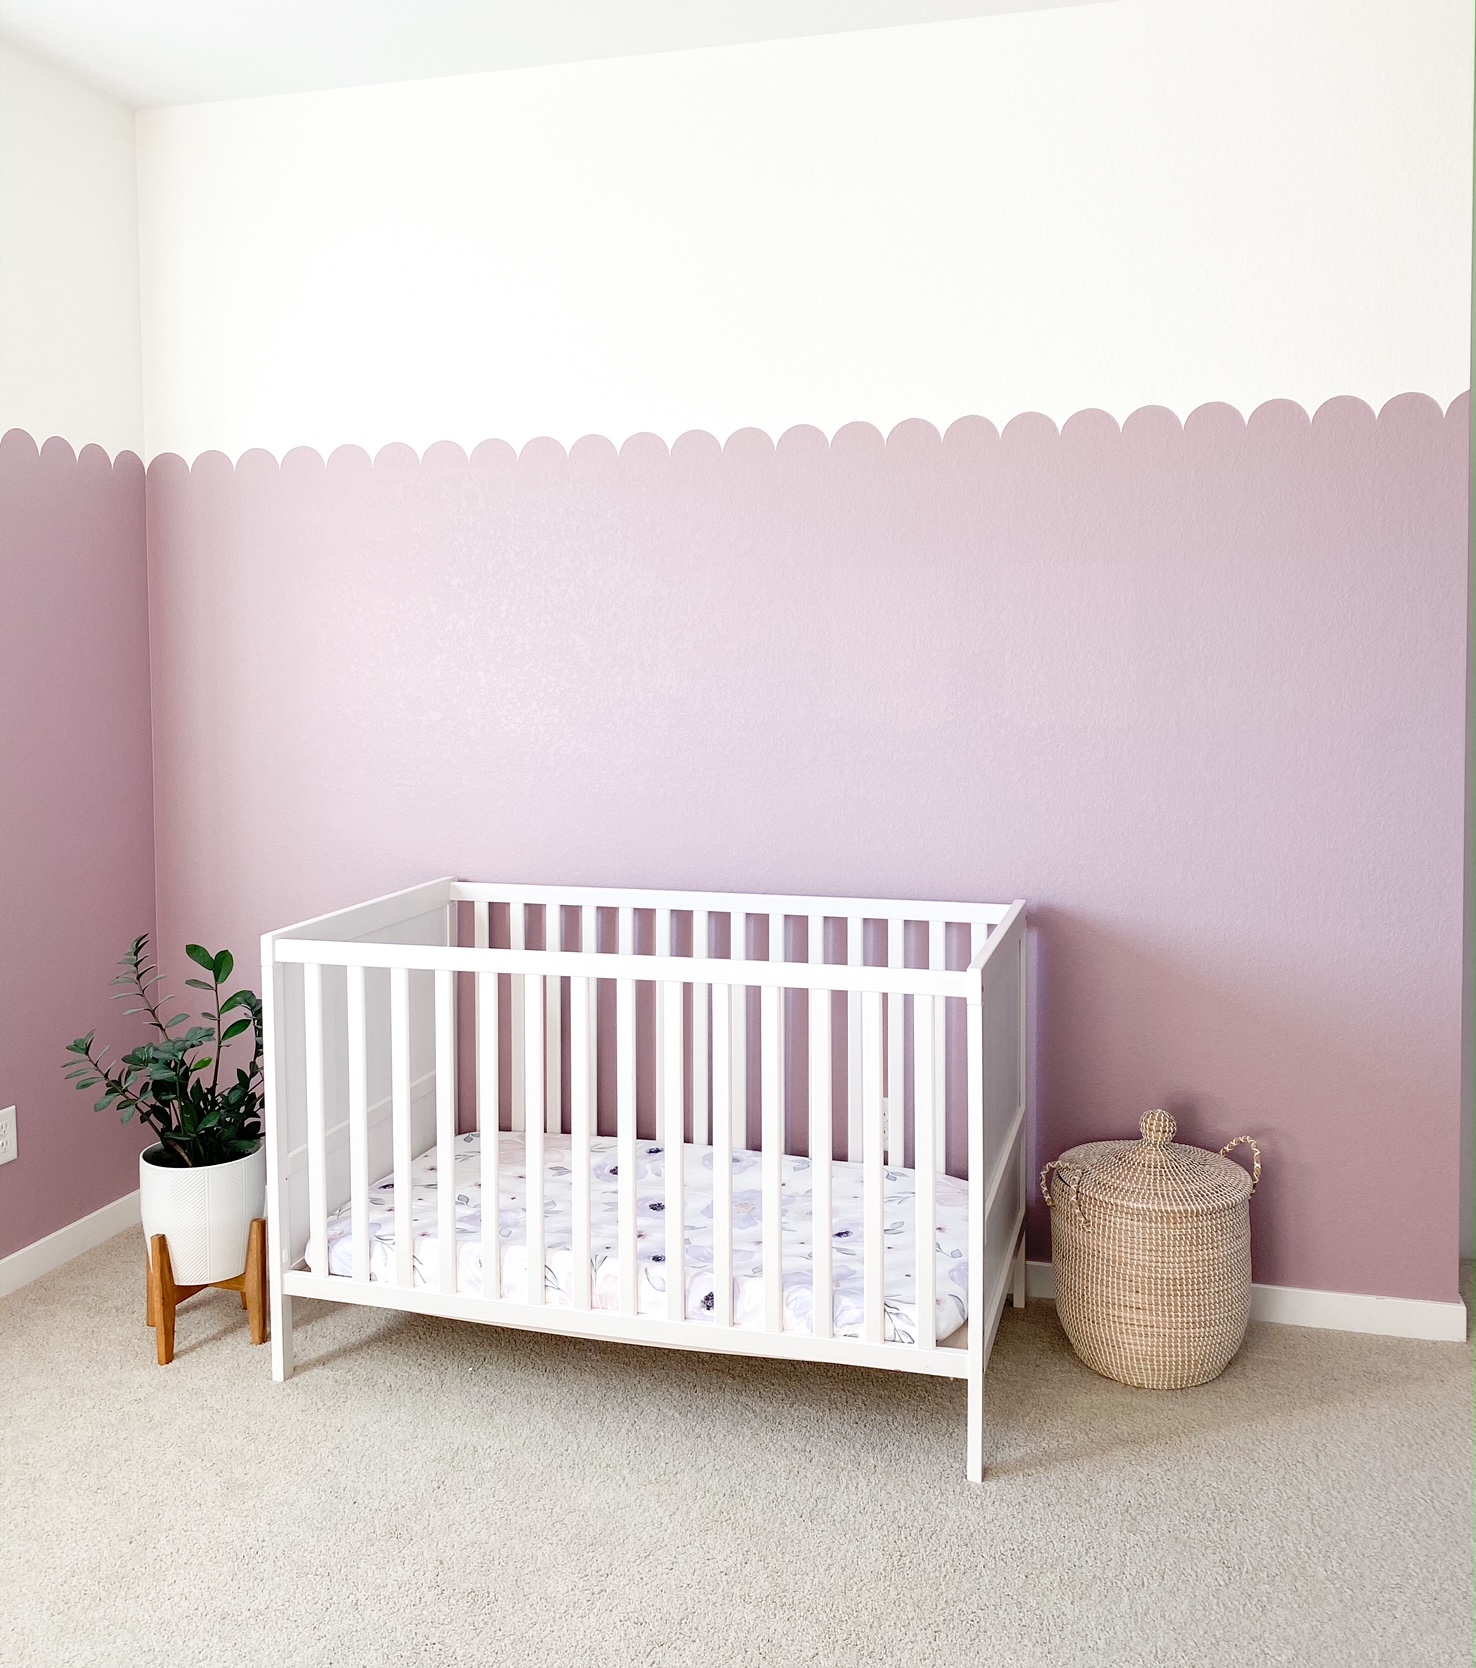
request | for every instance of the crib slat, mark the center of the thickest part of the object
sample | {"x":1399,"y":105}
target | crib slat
{"x":738,"y":1052}
{"x":400,"y":1118}
{"x":938,"y":962}
{"x":821,"y":1174}
{"x":533,"y":1134}
{"x":896,"y":1051}
{"x":488,"y":1120}
{"x":940,"y":1087}
{"x":358,"y":1091}
{"x":660,"y":946}
{"x":771,"y":1087}
{"x":855,"y":957}
{"x":723,"y":997}
{"x":487,"y":1052}
{"x":581,"y":1120}
{"x":674,"y":1213}
{"x":589,"y":939}
{"x":553,"y":1026}
{"x":924,"y":1076}
{"x":625,"y":1134}
{"x":517,"y":920}
{"x":312,"y":1003}
{"x":874,"y":1177}
{"x":489,"y":1139}
{"x":446,"y":1127}
{"x":701,"y":1098}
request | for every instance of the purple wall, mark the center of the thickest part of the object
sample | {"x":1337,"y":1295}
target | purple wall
{"x":1196,"y":692}
{"x":76,"y":811}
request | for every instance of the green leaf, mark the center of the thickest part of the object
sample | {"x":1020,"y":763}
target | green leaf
{"x":225,"y":964}
{"x":199,"y":984}
{"x":178,"y":1019}
{"x":200,"y":956}
{"x":241,"y":999}
{"x":235,"y":1030}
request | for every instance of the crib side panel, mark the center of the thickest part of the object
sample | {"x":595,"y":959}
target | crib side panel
{"x":310,"y":1081}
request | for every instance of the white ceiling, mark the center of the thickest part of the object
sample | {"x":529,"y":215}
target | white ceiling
{"x":152,"y":52}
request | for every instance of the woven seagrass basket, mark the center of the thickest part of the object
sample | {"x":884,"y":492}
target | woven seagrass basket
{"x":1151,"y":1247}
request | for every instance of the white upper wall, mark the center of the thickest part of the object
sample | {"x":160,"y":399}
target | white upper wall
{"x":1147,"y":202}
{"x":69,"y":301}
{"x":154,"y":52}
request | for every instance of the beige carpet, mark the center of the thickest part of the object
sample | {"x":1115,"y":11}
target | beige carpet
{"x":427,"y":1492}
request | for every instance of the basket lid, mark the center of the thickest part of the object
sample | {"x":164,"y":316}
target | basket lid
{"x":1157,"y":1173}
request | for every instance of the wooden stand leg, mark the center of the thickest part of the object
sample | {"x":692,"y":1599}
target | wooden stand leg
{"x":254,"y":1292}
{"x":163,"y":1297}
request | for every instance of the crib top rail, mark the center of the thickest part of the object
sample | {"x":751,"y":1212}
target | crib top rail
{"x":381,"y":913}
{"x":737,"y":903}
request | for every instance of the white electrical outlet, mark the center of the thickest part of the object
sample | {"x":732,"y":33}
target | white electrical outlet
{"x":7,"y":1135}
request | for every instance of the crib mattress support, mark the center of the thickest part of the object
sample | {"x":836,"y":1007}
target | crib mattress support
{"x":950,"y":1359}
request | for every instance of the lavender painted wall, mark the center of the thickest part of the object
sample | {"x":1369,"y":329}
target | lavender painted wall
{"x":1195,"y":691}
{"x":76,"y":811}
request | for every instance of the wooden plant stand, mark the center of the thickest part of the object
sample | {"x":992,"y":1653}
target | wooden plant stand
{"x":164,"y":1297}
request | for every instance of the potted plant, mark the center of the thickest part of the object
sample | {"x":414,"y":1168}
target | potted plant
{"x":204,"y":1181}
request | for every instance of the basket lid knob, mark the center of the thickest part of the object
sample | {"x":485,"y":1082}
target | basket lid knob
{"x":1157,"y":1127}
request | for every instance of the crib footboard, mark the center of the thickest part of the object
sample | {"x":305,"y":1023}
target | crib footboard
{"x":775,"y":1126}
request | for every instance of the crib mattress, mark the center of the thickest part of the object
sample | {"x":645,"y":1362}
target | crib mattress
{"x":847,"y":1243}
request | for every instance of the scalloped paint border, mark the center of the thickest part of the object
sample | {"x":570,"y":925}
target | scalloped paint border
{"x":915,"y":440}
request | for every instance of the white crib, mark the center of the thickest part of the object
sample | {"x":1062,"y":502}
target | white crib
{"x":848,"y":1057}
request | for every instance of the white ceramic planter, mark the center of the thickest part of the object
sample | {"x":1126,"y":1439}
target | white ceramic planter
{"x":204,"y":1213}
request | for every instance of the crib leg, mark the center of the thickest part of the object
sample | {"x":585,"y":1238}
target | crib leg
{"x":281,"y":1323}
{"x":975,"y":1464}
{"x":1017,"y":1289}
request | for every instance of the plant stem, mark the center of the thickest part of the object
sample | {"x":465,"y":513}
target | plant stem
{"x":219,"y":1046}
{"x":144,"y":997}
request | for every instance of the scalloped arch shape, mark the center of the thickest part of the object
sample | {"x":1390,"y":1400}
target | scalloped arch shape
{"x":972,"y":438}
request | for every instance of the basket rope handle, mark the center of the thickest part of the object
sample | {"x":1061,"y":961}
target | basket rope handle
{"x":1071,"y":1175}
{"x":1245,"y":1141}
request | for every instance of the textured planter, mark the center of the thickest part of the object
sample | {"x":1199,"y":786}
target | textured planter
{"x":205,"y":1213}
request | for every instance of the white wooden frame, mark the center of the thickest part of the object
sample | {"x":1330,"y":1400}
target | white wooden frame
{"x":349,"y":997}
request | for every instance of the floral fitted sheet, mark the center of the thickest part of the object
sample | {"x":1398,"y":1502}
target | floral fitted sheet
{"x":847,"y":1238}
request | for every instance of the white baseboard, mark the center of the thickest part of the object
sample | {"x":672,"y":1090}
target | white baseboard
{"x":1388,"y":1317}
{"x":43,"y":1255}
